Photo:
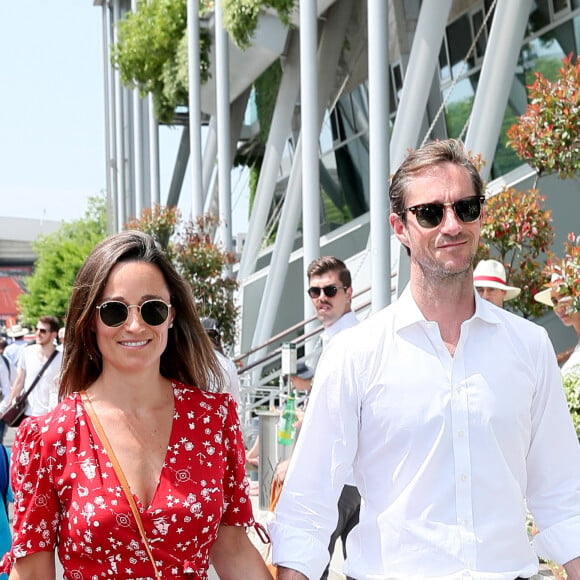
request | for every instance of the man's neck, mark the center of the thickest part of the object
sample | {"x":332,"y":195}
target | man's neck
{"x":448,"y":302}
{"x":46,"y":350}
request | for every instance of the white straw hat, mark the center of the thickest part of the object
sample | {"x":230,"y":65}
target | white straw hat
{"x":545,"y":296}
{"x":17,"y":331}
{"x":491,"y":274}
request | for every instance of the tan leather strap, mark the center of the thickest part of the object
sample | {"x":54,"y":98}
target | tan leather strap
{"x":120,"y":475}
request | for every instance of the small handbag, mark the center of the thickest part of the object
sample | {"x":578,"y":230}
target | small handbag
{"x":14,"y":413}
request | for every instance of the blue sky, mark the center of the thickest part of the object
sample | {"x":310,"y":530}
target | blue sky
{"x":52,"y":150}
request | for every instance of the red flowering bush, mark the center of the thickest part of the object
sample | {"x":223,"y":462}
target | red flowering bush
{"x":547,"y":135}
{"x":517,"y":231}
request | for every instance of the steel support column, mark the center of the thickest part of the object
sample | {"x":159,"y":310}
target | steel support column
{"x":378,"y":52}
{"x":193,"y":48}
{"x":277,"y":138}
{"x":223,"y":128}
{"x":310,"y":133}
{"x":496,"y":79}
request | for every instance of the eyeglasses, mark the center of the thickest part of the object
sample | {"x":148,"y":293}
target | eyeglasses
{"x":114,"y":313}
{"x":430,"y":215}
{"x":329,"y":291}
{"x":41,"y":330}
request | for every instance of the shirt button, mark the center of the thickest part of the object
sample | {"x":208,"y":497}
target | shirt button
{"x":461,"y":433}
{"x":463,"y":477}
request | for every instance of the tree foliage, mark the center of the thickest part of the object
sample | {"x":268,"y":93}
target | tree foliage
{"x":517,"y":230}
{"x":202,"y":262}
{"x":151,"y":53}
{"x":151,"y":49}
{"x":60,"y":255}
{"x":547,"y":135}
{"x":241,"y":17}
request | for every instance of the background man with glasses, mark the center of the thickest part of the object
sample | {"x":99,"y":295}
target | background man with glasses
{"x":450,"y":411}
{"x":330,"y":289}
{"x":45,"y":395}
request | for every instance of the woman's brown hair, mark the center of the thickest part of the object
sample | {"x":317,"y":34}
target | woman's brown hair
{"x":189,"y":356}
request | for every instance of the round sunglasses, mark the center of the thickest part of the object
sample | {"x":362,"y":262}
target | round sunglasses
{"x":430,"y":215}
{"x":114,"y":313}
{"x":329,"y":291}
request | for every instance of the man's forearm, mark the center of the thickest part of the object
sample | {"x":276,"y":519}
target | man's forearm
{"x":289,"y":574}
{"x":573,"y":569}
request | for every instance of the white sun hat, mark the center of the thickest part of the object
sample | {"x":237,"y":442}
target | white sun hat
{"x":491,"y":274}
{"x":545,"y":296}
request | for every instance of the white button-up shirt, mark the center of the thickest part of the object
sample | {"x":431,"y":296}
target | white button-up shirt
{"x":446,"y":451}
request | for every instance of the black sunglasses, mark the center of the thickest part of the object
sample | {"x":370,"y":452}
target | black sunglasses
{"x":41,"y":330}
{"x":329,"y":291}
{"x":430,"y":215}
{"x":114,"y":313}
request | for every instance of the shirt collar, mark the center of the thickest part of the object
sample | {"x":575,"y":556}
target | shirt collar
{"x":408,"y":313}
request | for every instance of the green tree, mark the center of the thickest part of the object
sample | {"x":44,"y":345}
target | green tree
{"x":60,"y":255}
{"x":202,"y":262}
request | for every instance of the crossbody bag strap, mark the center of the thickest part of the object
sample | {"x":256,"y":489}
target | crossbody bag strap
{"x":120,"y":475}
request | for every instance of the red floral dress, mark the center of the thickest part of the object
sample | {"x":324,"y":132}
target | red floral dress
{"x":67,"y":493}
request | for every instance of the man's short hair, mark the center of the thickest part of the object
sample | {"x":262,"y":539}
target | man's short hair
{"x":52,"y":322}
{"x":330,"y":264}
{"x":430,"y":155}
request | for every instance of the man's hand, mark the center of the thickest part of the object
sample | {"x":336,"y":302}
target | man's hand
{"x":281,"y":469}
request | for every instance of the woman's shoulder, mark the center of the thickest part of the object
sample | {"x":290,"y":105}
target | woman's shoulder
{"x":55,"y":423}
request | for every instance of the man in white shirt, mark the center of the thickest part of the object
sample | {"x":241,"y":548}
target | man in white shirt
{"x":32,"y":358}
{"x":330,"y":289}
{"x":450,"y":411}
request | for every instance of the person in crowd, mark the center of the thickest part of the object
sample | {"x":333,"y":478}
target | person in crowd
{"x":139,"y":471}
{"x":7,"y":498}
{"x":32,"y":358}
{"x":489,"y":280}
{"x":561,"y":302}
{"x":16,"y":333}
{"x":7,"y":376}
{"x":451,"y":412}
{"x":230,"y":373}
{"x":330,"y":289}
{"x":60,"y":338}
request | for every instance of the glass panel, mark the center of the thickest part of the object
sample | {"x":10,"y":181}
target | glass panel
{"x":459,"y":104}
{"x":459,"y":40}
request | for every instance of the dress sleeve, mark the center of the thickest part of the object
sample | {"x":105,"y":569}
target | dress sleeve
{"x":237,"y":504}
{"x":36,"y":504}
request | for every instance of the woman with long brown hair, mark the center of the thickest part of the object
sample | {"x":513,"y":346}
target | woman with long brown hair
{"x":139,"y":471}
